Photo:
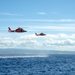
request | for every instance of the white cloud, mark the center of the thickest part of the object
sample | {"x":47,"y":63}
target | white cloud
{"x":67,"y":28}
{"x":49,"y":42}
{"x":10,"y":14}
{"x":41,"y":13}
{"x":39,"y":20}
{"x":47,"y":20}
{"x":54,"y":27}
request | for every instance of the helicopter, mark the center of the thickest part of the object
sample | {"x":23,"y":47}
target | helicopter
{"x":16,"y":30}
{"x":41,"y":34}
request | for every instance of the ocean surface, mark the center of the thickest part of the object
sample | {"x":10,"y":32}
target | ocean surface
{"x":54,"y":64}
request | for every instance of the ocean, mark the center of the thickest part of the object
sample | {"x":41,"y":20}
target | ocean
{"x":53,"y":64}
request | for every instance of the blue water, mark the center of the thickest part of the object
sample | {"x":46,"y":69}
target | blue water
{"x":57,"y":64}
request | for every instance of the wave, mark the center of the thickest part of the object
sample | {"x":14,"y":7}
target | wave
{"x":24,"y":56}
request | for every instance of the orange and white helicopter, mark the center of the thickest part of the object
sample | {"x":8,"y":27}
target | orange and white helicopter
{"x":41,"y":34}
{"x":16,"y":30}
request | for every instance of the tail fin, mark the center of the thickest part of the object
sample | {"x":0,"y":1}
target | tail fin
{"x":9,"y":29}
{"x":36,"y":34}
